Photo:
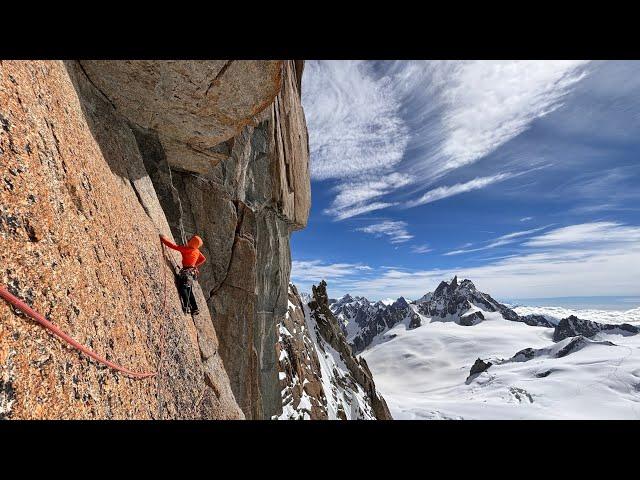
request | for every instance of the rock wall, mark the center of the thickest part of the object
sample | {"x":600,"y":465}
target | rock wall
{"x":96,"y":159}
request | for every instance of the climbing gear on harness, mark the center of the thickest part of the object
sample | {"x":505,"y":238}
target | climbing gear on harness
{"x":23,"y":307}
{"x":190,"y":273}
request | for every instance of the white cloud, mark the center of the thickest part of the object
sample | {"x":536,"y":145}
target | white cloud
{"x":487,"y":103}
{"x":599,"y":258}
{"x":396,"y":231}
{"x":497,"y":242}
{"x":354,"y":211}
{"x":353,"y":197}
{"x":421,"y":248}
{"x":602,"y":233}
{"x":526,"y":219}
{"x":448,"y":191}
{"x":317,"y":269}
{"x":410,"y":122}
{"x":354,"y":122}
{"x":547,"y":274}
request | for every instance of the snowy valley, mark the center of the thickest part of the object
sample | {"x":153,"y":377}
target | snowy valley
{"x":456,"y":353}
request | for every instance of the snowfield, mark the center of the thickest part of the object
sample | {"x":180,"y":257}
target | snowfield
{"x":423,"y":373}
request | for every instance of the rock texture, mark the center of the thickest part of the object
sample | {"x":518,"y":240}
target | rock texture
{"x":561,"y":349}
{"x":96,"y":159}
{"x":245,"y":209}
{"x":303,"y":395}
{"x":329,"y":329}
{"x":319,"y":375}
{"x":197,"y":103}
{"x":477,"y":368}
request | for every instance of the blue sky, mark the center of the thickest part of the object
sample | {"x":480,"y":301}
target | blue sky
{"x":522,"y":176}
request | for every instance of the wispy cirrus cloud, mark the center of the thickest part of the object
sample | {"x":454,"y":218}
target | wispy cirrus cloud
{"x":396,"y":231}
{"x":497,"y":242}
{"x":379,"y":129}
{"x":354,"y":118}
{"x":421,"y":248}
{"x":356,"y":197}
{"x":317,"y":269}
{"x":583,"y":259}
{"x":599,"y":233}
{"x":448,"y":191}
{"x":486,"y":104}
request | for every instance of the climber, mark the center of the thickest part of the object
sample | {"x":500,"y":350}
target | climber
{"x":191,"y":260}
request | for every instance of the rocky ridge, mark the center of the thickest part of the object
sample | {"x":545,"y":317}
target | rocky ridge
{"x":320,"y":376}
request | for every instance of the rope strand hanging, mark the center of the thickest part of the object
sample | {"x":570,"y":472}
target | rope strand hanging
{"x":23,"y":307}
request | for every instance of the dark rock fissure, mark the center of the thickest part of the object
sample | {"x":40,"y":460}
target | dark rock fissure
{"x":218,"y":75}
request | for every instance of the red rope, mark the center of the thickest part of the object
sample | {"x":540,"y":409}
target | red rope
{"x":20,"y":305}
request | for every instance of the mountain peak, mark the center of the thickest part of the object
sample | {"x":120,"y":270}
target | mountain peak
{"x":319,"y":293}
{"x":401,"y":302}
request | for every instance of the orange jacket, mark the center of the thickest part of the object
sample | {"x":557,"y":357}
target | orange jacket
{"x":191,"y":256}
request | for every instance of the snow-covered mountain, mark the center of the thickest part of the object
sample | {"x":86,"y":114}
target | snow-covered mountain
{"x":468,"y":356}
{"x":319,"y":376}
{"x":363,"y":321}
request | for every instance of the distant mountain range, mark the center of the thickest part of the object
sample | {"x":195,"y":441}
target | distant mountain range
{"x":362,"y":320}
{"x":458,"y":353}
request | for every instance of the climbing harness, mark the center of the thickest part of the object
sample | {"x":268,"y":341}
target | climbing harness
{"x":23,"y":307}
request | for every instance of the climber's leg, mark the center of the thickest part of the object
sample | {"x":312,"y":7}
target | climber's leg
{"x":192,"y":302}
{"x":185,"y":291}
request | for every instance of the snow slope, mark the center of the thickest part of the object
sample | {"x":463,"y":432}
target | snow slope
{"x":423,"y":373}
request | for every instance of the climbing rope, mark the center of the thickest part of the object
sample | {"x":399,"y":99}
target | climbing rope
{"x":23,"y":307}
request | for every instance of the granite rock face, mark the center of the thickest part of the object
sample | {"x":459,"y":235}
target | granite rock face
{"x":96,"y":159}
{"x":197,"y":103}
{"x":245,"y":209}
